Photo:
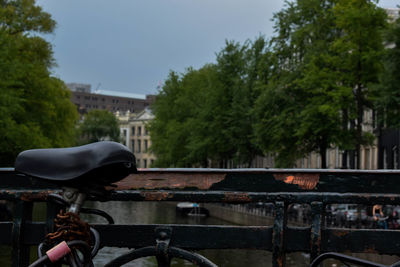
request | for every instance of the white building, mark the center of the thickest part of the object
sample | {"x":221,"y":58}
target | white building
{"x":136,"y":135}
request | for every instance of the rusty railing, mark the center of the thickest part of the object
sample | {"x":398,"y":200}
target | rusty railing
{"x":281,"y":187}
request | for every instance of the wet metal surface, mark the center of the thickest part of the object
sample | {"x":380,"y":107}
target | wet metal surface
{"x":280,"y":187}
{"x":317,"y":209}
{"x":236,"y":197}
{"x":161,"y":180}
{"x":307,"y":181}
{"x":156,"y":196}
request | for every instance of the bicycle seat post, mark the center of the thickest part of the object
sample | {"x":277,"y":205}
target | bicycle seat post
{"x":75,"y":198}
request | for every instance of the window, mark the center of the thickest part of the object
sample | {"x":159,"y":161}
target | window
{"x":139,"y":130}
{"x":138,"y":163}
{"x":124,"y":132}
{"x":145,"y":163}
{"x":133,"y":130}
{"x":146,"y":144}
{"x":146,"y":132}
{"x":133,"y":146}
{"x":138,"y":146}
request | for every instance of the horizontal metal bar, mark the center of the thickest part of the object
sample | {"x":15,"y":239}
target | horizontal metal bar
{"x":188,"y":236}
{"x":185,"y":236}
{"x":229,"y":237}
{"x":361,"y":241}
{"x":259,"y":180}
{"x":220,"y":196}
{"x":241,"y":180}
{"x":248,"y":197}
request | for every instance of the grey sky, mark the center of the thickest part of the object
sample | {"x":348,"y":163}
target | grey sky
{"x":131,"y":45}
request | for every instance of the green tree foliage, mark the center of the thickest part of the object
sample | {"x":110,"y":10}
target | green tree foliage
{"x":327,"y":56}
{"x":358,"y":54}
{"x":35,"y":108}
{"x":182,"y":121}
{"x":205,"y":115}
{"x":167,"y":130}
{"x":99,"y":125}
{"x":388,"y":90}
{"x":304,"y":92}
{"x":297,"y":111}
{"x":231,"y":104}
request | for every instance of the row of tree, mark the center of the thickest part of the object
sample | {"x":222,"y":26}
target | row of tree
{"x":303,"y":91}
{"x":35,"y":107}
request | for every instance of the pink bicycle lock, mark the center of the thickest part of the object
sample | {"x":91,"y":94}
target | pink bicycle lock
{"x":58,"y":252}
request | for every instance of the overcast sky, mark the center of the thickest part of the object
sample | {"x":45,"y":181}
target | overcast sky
{"x":131,"y":45}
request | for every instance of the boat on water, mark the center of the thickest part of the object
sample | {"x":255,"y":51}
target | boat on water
{"x":191,"y":209}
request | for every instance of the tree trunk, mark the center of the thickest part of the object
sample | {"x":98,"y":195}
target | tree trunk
{"x":205,"y":163}
{"x":322,"y":153}
{"x":352,"y":158}
{"x":360,"y":110}
{"x":360,"y":114}
{"x":345,"y":122}
{"x":344,"y":160}
{"x":352,"y":155}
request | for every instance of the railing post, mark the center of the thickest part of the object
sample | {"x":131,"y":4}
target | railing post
{"x":20,"y":252}
{"x":317,"y":210}
{"x":278,"y":236}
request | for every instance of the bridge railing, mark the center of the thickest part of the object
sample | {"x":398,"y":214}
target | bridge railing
{"x":281,"y":187}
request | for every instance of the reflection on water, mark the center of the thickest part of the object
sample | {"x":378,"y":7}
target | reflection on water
{"x":164,"y":213}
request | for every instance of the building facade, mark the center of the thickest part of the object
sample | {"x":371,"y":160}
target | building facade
{"x":112,"y":101}
{"x":79,"y":87}
{"x":136,"y":136}
{"x":335,"y":156}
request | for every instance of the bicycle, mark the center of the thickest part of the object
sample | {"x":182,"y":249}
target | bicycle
{"x":348,"y":259}
{"x":87,"y":172}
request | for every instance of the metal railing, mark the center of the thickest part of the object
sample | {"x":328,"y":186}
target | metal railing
{"x":236,"y":186}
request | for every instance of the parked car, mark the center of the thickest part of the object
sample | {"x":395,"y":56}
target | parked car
{"x":348,"y":214}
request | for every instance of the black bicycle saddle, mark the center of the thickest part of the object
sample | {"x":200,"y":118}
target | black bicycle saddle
{"x":100,"y":163}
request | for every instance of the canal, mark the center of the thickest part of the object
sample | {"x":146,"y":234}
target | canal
{"x":165,"y":213}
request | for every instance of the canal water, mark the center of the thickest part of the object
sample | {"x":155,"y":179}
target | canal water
{"x":164,"y":213}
